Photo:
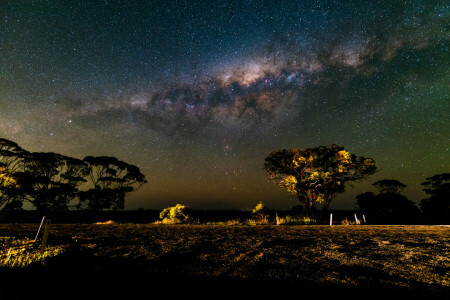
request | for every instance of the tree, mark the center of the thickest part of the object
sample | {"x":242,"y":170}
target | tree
{"x":11,"y":164}
{"x":316,"y":175}
{"x":111,"y":180}
{"x":177,"y":214}
{"x":260,"y":213}
{"x":437,"y":205}
{"x":8,"y":186}
{"x":389,"y":186}
{"x":388,"y":205}
{"x":50,"y":181}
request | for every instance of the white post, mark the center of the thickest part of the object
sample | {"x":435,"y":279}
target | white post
{"x":39,"y":230}
{"x":356,"y":219}
{"x":331,"y":219}
{"x":364,"y":218}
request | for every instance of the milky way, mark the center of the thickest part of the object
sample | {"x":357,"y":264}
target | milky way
{"x":198,"y":93}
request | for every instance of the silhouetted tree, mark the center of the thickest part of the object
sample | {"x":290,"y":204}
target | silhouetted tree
{"x":437,"y":206}
{"x":389,"y":205}
{"x":111,"y":180}
{"x":389,"y":186}
{"x":317,"y":175}
{"x":50,"y":181}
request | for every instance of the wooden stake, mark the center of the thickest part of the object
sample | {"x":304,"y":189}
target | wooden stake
{"x":44,"y":238}
{"x":356,"y":219}
{"x":40,"y":226}
{"x":331,"y":219}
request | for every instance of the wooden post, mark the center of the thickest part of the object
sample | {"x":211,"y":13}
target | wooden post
{"x":331,"y":219}
{"x":356,"y":219}
{"x":44,"y":238}
{"x":40,"y":226}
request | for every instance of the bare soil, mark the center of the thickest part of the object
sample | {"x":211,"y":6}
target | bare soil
{"x":368,"y":261}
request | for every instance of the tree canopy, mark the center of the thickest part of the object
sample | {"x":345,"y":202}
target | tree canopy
{"x":437,"y":205}
{"x":111,"y":179}
{"x":317,"y":175}
{"x":50,"y":181}
{"x":389,"y":186}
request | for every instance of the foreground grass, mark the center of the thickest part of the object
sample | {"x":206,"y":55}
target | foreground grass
{"x":21,"y":253}
{"x":414,"y":258}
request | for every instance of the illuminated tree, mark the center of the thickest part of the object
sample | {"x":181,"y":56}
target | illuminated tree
{"x":11,"y":164}
{"x":111,"y":180}
{"x":316,"y":175}
{"x":8,"y":187}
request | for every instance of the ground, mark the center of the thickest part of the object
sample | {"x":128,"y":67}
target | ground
{"x":368,"y":260}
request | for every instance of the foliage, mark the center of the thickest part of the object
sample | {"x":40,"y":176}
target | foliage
{"x":437,"y":205}
{"x":389,"y":186}
{"x":291,"y":220}
{"x":389,"y":205}
{"x":260,"y":214}
{"x":50,"y":181}
{"x":177,"y":214}
{"x":316,"y":175}
{"x":112,"y":180}
{"x":20,"y":253}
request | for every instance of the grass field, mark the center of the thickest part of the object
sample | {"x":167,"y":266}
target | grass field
{"x":369,"y":260}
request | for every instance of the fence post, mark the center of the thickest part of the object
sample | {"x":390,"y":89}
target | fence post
{"x":364,"y":218}
{"x":331,"y":219}
{"x":44,"y":238}
{"x":39,"y":230}
{"x":356,"y":219}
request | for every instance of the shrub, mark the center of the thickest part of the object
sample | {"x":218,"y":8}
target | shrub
{"x":260,"y":214}
{"x":345,"y":222}
{"x":175,"y":215}
{"x":289,"y":220}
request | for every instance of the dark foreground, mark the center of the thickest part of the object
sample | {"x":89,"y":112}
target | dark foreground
{"x":128,"y":261}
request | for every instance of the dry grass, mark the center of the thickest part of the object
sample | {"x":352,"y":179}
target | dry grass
{"x":409,"y":257}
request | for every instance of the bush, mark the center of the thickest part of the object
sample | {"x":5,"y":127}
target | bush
{"x":260,"y":214}
{"x":175,"y":215}
{"x":289,"y":220}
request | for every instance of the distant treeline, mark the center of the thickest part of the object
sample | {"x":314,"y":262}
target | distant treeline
{"x":146,"y":216}
{"x":52,"y":182}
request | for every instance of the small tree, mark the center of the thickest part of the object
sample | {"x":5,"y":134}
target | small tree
{"x":260,"y":213}
{"x":317,"y":175}
{"x":175,"y":215}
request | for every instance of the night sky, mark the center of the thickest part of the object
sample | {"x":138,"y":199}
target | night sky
{"x":197,"y":93}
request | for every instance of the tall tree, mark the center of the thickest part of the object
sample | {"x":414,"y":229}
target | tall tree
{"x":317,"y":175}
{"x":111,"y":180}
{"x":437,"y":205}
{"x":50,"y":180}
